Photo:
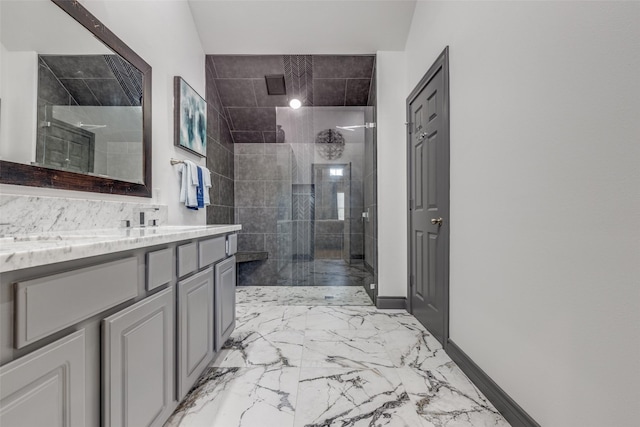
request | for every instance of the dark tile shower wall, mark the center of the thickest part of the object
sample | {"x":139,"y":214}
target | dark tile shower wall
{"x":319,"y":80}
{"x":246,"y":115}
{"x":263,"y":207}
{"x":242,"y":91}
{"x":341,"y":80}
{"x":220,"y":155}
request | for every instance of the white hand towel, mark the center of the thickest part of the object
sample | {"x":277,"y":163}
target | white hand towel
{"x":188,"y":194}
{"x":183,"y":182}
{"x":206,"y":182}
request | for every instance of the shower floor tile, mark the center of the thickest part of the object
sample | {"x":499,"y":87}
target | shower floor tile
{"x":324,"y":272}
{"x":302,"y":295}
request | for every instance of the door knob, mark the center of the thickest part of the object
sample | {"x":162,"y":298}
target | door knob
{"x":435,"y":221}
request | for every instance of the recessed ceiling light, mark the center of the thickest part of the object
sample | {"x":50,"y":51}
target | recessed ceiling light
{"x":295,"y":103}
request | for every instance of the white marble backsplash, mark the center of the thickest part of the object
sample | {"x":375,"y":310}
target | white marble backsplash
{"x":21,"y":214}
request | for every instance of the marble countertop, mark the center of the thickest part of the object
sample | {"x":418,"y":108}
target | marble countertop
{"x":24,"y":251}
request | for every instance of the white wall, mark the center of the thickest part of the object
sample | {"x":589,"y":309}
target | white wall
{"x":392,"y":178}
{"x":163,"y":34}
{"x":545,"y":198}
{"x":18,"y":91}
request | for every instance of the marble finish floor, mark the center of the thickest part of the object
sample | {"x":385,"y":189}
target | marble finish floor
{"x":310,"y":365}
{"x":302,"y":295}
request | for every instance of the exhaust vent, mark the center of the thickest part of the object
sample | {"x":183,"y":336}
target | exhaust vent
{"x":275,"y":84}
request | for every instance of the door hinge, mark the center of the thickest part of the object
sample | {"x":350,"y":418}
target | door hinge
{"x":411,"y":281}
{"x":409,"y":127}
{"x":410,"y":204}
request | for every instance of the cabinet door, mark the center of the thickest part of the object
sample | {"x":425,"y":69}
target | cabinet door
{"x":195,"y":328}
{"x":138,"y":363}
{"x":225,"y":298}
{"x":46,"y":387}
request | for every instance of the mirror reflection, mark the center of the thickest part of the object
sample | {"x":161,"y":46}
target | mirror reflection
{"x":90,"y":115}
{"x":81,"y":104}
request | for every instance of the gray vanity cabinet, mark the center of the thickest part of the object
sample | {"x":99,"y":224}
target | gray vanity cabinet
{"x":138,"y":345}
{"x":117,"y":340}
{"x":225,"y":298}
{"x":195,"y":328}
{"x":46,"y":387}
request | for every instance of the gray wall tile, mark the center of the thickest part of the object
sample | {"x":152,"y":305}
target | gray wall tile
{"x":357,"y":91}
{"x":269,"y":137}
{"x":214,"y":191}
{"x":329,"y":227}
{"x":248,"y":137}
{"x":277,"y":193}
{"x":250,"y":194}
{"x":93,"y":66}
{"x":210,"y":66}
{"x":212,"y":96}
{"x":261,"y":119}
{"x":80,"y":91}
{"x":50,"y":89}
{"x":258,"y":220}
{"x":108,"y":92}
{"x":264,"y":99}
{"x":251,"y":242}
{"x":226,"y":191}
{"x":250,"y":148}
{"x":357,"y":245}
{"x":258,"y":273}
{"x":327,"y":92}
{"x":329,"y":242}
{"x":213,"y":123}
{"x":271,"y":245}
{"x":216,"y":157}
{"x":247,"y":66}
{"x":236,"y":92}
{"x":217,"y":215}
{"x":342,"y":66}
{"x":225,"y":134}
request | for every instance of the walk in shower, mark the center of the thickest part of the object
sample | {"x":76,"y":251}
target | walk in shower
{"x":301,"y":181}
{"x":310,"y":198}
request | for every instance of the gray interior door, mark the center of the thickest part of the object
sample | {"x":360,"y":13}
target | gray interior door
{"x":65,"y":146}
{"x":428,"y":139}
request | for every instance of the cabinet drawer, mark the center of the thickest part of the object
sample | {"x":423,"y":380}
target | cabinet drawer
{"x":159,"y":268}
{"x":49,"y":304}
{"x":187,"y":259}
{"x":212,"y":250}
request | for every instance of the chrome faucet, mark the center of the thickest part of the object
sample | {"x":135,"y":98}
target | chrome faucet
{"x":152,"y":222}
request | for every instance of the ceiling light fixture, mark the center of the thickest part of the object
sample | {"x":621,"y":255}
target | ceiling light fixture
{"x":295,"y":103}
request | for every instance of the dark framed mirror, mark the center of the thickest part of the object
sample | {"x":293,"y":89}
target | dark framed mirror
{"x":91,"y":106}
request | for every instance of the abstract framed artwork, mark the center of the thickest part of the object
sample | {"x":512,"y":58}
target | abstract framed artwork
{"x":190,"y":118}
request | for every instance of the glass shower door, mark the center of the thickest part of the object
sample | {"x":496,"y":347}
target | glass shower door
{"x":322,"y":243}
